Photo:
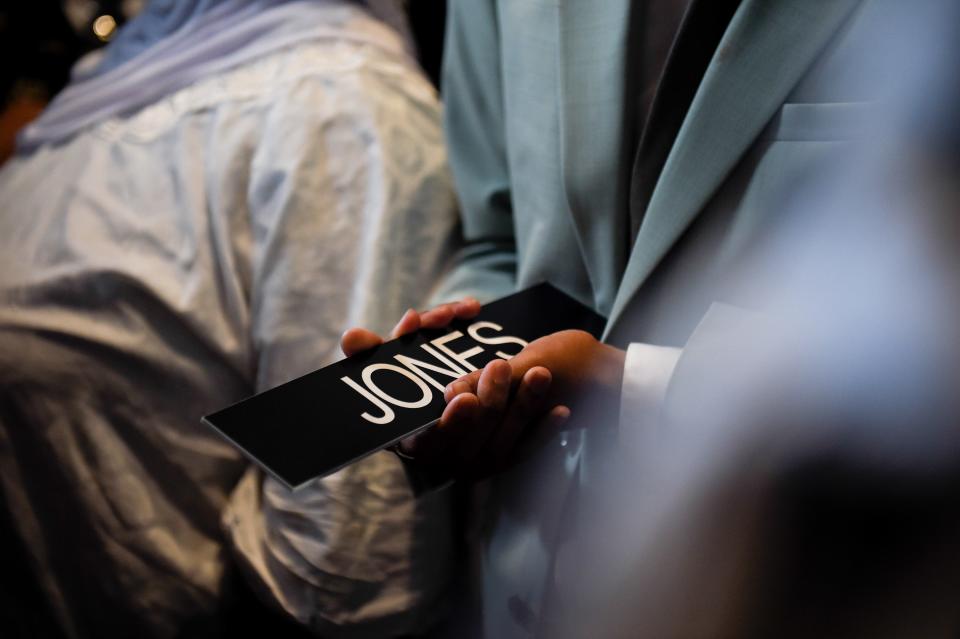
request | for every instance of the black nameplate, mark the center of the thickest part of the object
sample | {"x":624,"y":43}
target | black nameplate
{"x":327,"y":419}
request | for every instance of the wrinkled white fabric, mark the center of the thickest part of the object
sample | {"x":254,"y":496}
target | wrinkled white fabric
{"x":159,"y":266}
{"x":206,"y":38}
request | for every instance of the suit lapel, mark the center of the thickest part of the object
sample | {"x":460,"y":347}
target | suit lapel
{"x":763,"y":54}
{"x":596,"y":133}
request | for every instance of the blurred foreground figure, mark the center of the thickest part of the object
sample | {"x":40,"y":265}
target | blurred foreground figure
{"x":198,"y":216}
{"x":801,"y":477}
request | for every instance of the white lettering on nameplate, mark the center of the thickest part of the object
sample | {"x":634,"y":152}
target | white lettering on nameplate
{"x":448,"y":364}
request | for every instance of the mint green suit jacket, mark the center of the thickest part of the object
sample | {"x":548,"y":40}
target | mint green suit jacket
{"x":541,"y":154}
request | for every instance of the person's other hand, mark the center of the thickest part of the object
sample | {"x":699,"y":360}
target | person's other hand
{"x":498,"y":414}
{"x":357,"y":340}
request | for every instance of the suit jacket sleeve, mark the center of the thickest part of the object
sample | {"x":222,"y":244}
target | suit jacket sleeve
{"x":475,"y":130}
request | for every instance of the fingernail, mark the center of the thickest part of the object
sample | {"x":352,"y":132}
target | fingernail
{"x":403,"y":319}
{"x":501,"y":375}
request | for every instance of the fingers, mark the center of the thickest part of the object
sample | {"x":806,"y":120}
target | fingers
{"x":409,"y":323}
{"x":484,"y":420}
{"x":356,"y":340}
{"x":476,"y":426}
{"x":526,"y":407}
{"x":467,"y":308}
{"x":427,"y":446}
{"x":483,"y":429}
{"x":479,"y":432}
{"x":438,"y":317}
{"x":442,"y":445}
{"x":445,"y":313}
{"x":466,"y":384}
{"x":493,"y":389}
{"x":463,"y":409}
